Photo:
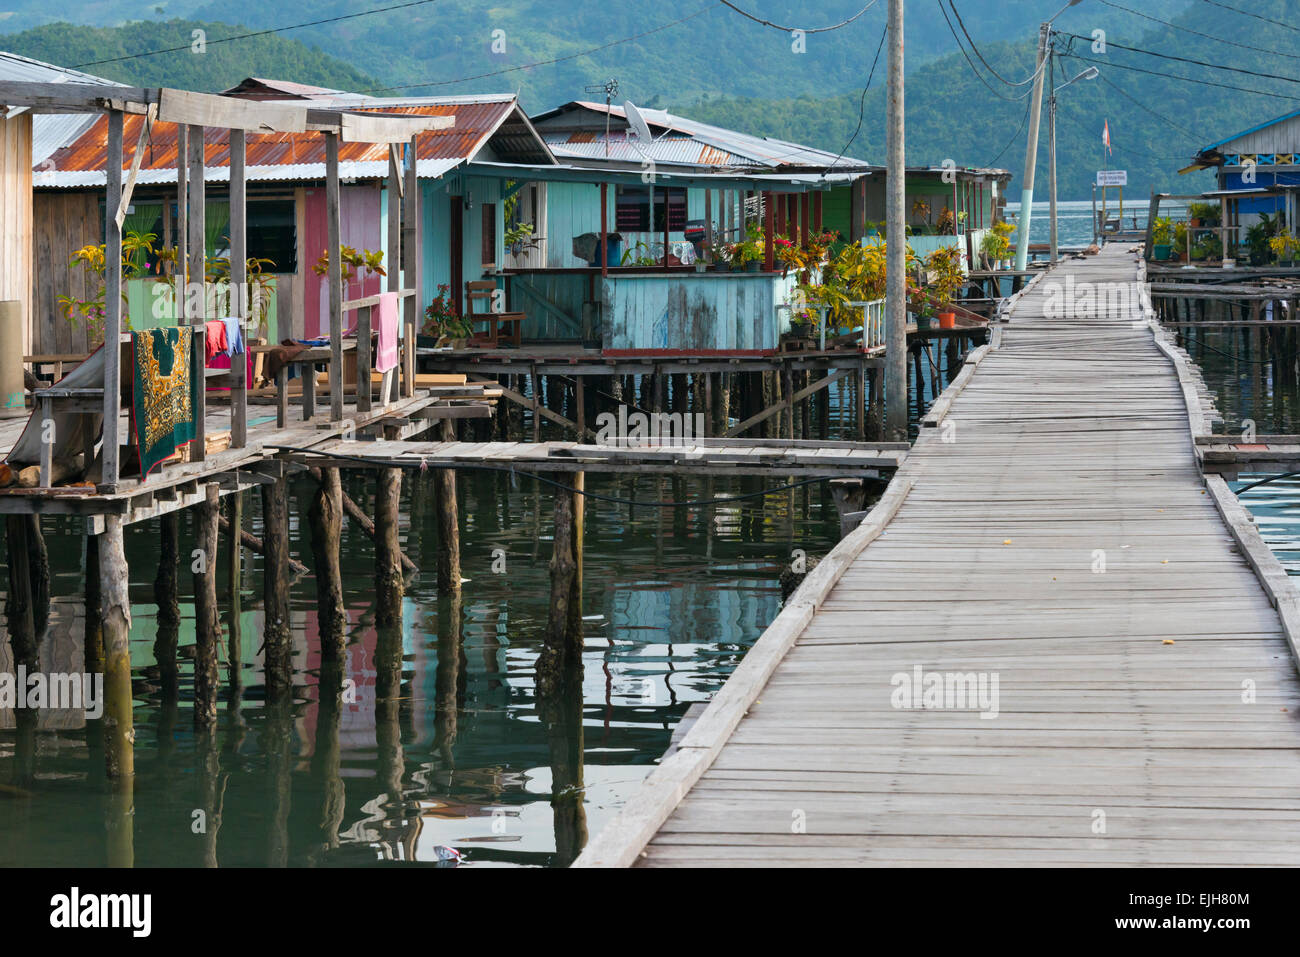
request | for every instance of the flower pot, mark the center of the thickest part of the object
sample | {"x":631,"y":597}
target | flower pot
{"x":1160,"y":252}
{"x":1194,"y":223}
{"x":753,"y":265}
{"x":947,"y":320}
{"x":701,"y":266}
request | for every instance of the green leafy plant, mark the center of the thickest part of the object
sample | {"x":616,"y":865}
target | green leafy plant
{"x":140,"y":258}
{"x":441,"y":320}
{"x":1284,"y":245}
{"x":1206,"y":213}
{"x":1162,"y":231}
{"x":258,"y":269}
{"x":1258,"y":236}
{"x":748,"y":250}
{"x":945,"y":275}
{"x":519,"y":237}
{"x":354,"y":262}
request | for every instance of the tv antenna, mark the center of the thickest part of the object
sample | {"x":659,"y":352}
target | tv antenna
{"x":610,"y":89}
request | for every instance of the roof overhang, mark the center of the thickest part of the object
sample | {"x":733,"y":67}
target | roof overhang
{"x":776,"y":182}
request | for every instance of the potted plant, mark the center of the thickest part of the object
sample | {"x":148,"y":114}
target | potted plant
{"x":1202,"y":214}
{"x":1162,"y":238}
{"x":1284,"y":246}
{"x":443,"y":326}
{"x":747,"y":254}
{"x":1180,"y":250}
{"x":356,"y":266}
{"x":944,"y":268}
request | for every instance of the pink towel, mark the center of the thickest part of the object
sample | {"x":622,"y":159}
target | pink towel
{"x":386,"y":322}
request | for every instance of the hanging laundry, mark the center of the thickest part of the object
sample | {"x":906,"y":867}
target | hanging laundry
{"x":234,"y":335}
{"x":163,"y":393}
{"x":386,"y":320}
{"x":215,"y":340}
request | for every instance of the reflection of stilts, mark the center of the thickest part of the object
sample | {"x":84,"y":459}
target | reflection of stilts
{"x":278,"y":663}
{"x":326,"y":756}
{"x":207,"y":618}
{"x":388,"y":734}
{"x":118,"y":721}
{"x":21,"y":614}
{"x":277,"y":741}
{"x":212,"y":791}
{"x":448,"y":677}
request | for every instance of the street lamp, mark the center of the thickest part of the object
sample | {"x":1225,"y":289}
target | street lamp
{"x":1087,"y":74}
{"x":1031,"y":147}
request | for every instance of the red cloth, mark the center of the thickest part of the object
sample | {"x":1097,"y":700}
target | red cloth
{"x":215,"y":342}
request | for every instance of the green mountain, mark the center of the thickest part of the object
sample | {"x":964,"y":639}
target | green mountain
{"x":114,"y":53}
{"x":722,"y":67}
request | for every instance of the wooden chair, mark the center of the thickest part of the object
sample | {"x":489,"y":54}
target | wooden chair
{"x":501,"y":326}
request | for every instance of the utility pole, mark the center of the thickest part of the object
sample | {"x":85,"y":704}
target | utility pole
{"x":896,"y":240}
{"x":1051,"y":147}
{"x":1031,"y":151}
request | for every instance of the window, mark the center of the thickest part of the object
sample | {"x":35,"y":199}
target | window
{"x":272,"y":234}
{"x":489,"y":235}
{"x":632,"y":209}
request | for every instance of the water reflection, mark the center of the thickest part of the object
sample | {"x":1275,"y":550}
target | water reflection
{"x":423,"y":736}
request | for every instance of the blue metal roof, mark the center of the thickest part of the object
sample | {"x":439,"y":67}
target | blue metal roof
{"x":1253,"y":129}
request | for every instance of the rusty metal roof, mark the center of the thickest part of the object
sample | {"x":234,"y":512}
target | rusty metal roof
{"x":297,"y":156}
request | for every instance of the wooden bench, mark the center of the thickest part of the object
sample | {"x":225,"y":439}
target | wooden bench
{"x":501,"y":326}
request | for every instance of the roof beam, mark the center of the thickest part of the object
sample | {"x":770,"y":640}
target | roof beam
{"x":354,"y":127}
{"x":206,"y":109}
{"x":75,"y":97}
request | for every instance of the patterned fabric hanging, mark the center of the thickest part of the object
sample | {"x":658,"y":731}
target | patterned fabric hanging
{"x":163,"y":395}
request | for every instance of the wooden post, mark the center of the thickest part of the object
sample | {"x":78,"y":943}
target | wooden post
{"x":164,"y":583}
{"x":94,"y":643}
{"x":278,"y":664}
{"x":412,"y":275}
{"x":364,"y":363}
{"x":537,"y":405}
{"x":240,"y":298}
{"x":207,"y":621}
{"x":234,"y":538}
{"x":20,"y":610}
{"x":182,"y":218}
{"x":115,"y":611}
{"x":326,"y":516}
{"x":604,"y":229}
{"x":444,"y":484}
{"x":335,"y":279}
{"x":769,"y":250}
{"x":196,"y":220}
{"x":389,"y":584}
{"x":112,"y":305}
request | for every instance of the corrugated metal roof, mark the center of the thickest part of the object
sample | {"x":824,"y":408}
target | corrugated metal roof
{"x":669,"y":149}
{"x":753,"y":150}
{"x":49,"y":130}
{"x":287,"y":156}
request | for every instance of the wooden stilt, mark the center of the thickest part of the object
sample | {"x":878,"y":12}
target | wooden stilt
{"x":115,"y":614}
{"x":94,"y":641}
{"x":389,"y":583}
{"x":448,"y":521}
{"x":20,"y":612}
{"x":326,"y":517}
{"x":40,"y":573}
{"x":234,"y":528}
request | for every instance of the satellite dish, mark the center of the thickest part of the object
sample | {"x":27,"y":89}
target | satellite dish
{"x":640,"y":129}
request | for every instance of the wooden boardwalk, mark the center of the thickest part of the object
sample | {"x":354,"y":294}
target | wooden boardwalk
{"x":1147,"y":713}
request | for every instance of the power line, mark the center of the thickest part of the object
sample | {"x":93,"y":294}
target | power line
{"x":1023,"y":119}
{"x":862,"y":101}
{"x":776,"y":26}
{"x":974,"y":69}
{"x":1183,"y":59}
{"x":258,"y":33}
{"x":1160,"y":116}
{"x":1185,"y":79}
{"x":989,"y":66}
{"x":561,"y":59}
{"x":1208,"y":36}
{"x":1247,"y":13}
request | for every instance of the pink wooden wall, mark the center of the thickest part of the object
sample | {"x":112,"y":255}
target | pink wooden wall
{"x":360,"y":227}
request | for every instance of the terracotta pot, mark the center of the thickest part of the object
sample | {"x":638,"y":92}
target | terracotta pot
{"x":947,"y":320}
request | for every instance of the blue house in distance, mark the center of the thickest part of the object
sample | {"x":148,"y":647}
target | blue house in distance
{"x":1264,"y":158}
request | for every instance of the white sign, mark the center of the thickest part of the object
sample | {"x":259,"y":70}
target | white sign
{"x":1112,"y":177}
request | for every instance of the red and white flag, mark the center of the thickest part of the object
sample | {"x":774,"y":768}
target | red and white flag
{"x":1105,"y":136}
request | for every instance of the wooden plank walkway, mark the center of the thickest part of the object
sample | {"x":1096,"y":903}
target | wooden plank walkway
{"x":1146,"y":714}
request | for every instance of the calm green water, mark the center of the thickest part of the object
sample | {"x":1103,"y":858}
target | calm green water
{"x":458,"y":756}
